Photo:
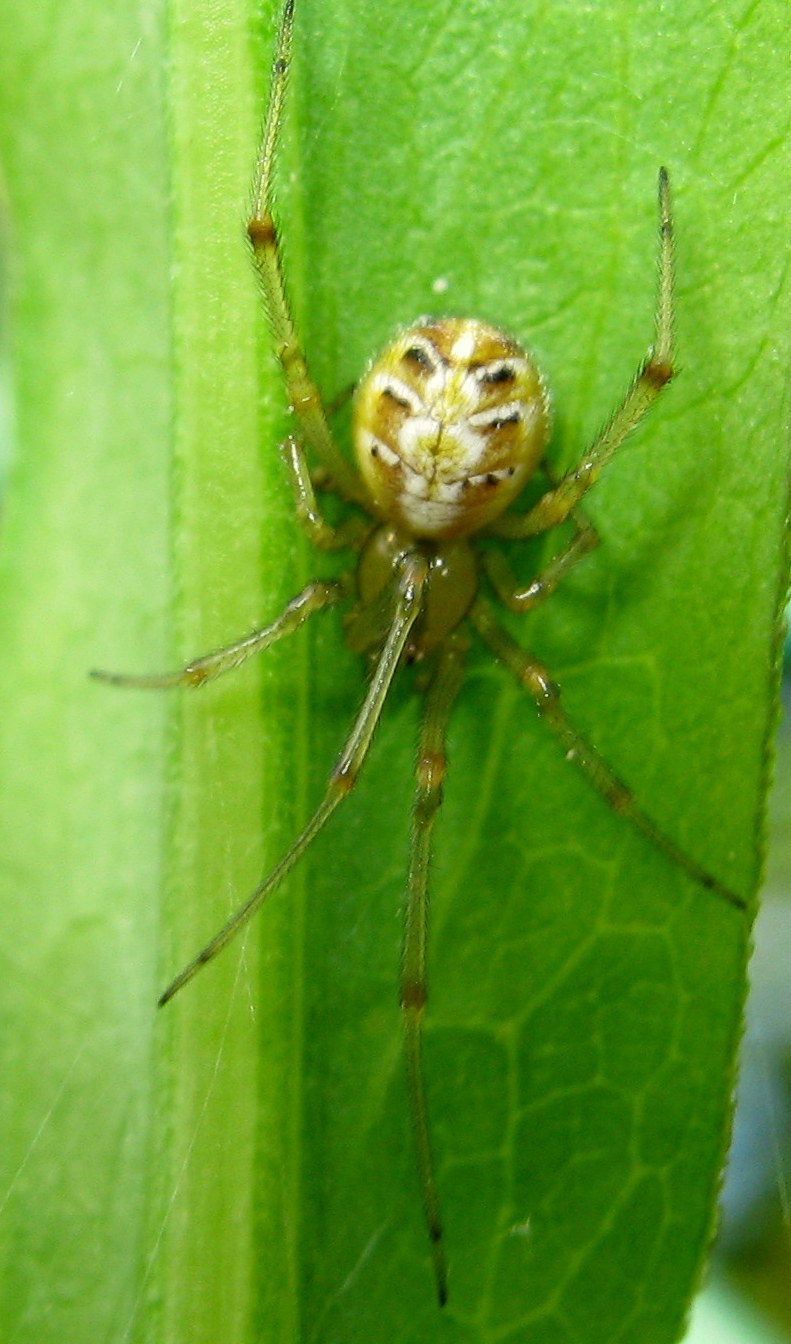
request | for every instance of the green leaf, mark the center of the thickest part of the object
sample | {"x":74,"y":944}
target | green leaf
{"x":239,"y":1167}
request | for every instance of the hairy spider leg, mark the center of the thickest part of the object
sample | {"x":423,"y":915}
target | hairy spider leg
{"x":532,"y":674}
{"x":430,"y":770}
{"x":317,"y":596}
{"x":303,"y":394}
{"x":408,"y":603}
{"x":653,"y":375}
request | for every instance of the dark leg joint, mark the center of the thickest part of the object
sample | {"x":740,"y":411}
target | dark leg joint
{"x":262,"y":232}
{"x":542,"y":688}
{"x":343,"y":778}
{"x":413,"y":997}
{"x":619,"y":797}
{"x":658,"y":373}
{"x":196,"y":675}
{"x":431,"y":770}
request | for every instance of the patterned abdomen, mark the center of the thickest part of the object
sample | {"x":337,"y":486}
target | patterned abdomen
{"x":449,"y":424}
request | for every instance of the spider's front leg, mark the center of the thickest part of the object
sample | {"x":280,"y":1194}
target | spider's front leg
{"x":262,"y":230}
{"x":536,"y":680}
{"x":653,"y":375}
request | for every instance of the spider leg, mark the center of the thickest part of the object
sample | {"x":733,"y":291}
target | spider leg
{"x":262,"y":231}
{"x":524,"y":599}
{"x":344,"y":775}
{"x":532,"y":674}
{"x":346,"y":535}
{"x":500,"y":574}
{"x":430,"y":770}
{"x":654,"y":374}
{"x":315,"y":597}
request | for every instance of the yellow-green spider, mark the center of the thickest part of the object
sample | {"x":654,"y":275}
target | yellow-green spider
{"x":449,"y":424}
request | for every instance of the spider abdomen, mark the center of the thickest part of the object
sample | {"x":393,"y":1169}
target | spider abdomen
{"x":450,"y":422}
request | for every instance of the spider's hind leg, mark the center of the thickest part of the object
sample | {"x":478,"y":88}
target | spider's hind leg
{"x":440,"y":695}
{"x":532,"y":674}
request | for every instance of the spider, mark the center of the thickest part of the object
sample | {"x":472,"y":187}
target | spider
{"x":450,"y":423}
